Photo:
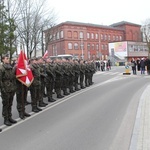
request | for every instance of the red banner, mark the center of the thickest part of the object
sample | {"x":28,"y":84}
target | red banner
{"x":23,"y":71}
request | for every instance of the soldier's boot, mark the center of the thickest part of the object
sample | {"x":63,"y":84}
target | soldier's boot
{"x":50,"y":99}
{"x":7,"y":122}
{"x":42,"y":104}
{"x":65,"y":92}
{"x":34,"y":109}
{"x":12,"y":120}
{"x":71,"y":90}
{"x":81,"y":85}
{"x":21,"y":115}
{"x":0,"y":130}
{"x":76,"y":88}
{"x":60,"y":96}
{"x":26,"y":114}
{"x":39,"y":108}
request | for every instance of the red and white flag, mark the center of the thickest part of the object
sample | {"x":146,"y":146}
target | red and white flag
{"x":23,"y":71}
{"x":46,"y":54}
{"x":21,"y":66}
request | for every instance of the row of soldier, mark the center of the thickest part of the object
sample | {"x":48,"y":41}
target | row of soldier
{"x":60,"y":76}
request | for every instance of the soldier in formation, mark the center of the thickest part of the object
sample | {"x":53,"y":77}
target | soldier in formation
{"x":60,"y":76}
{"x":8,"y":89}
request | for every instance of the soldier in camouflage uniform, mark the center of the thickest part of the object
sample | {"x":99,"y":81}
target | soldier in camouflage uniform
{"x":77,"y":74}
{"x":50,"y":79}
{"x":59,"y":78}
{"x":87,"y":74}
{"x":93,"y":70}
{"x":21,"y":96}
{"x":65,"y":67}
{"x":82,"y":73}
{"x":35,"y":88}
{"x":71,"y":75}
{"x":42,"y":79}
{"x":8,"y":89}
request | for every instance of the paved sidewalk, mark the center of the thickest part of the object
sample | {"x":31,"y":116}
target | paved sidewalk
{"x":141,"y":133}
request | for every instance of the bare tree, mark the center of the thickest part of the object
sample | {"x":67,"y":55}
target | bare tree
{"x":146,"y":38}
{"x":31,"y":17}
{"x":146,"y":34}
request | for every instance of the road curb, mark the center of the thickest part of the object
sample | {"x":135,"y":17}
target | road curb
{"x":141,"y":133}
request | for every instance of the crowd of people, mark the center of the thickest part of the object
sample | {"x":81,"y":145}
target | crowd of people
{"x":140,"y":64}
{"x":103,"y":65}
{"x":60,"y":76}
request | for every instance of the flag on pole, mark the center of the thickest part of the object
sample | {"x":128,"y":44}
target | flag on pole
{"x":21,"y":67}
{"x":23,"y":71}
{"x":46,"y":54}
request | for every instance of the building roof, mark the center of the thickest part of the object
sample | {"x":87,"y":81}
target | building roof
{"x":123,"y":23}
{"x":89,"y":25}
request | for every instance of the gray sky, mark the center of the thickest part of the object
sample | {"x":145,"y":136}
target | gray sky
{"x":104,"y":12}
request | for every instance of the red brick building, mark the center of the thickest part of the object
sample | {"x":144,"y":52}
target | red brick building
{"x":87,"y":40}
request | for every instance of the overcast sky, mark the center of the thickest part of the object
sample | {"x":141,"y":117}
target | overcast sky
{"x":104,"y":12}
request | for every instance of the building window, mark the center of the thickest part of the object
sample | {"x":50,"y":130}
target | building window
{"x":113,"y":38}
{"x":57,"y":35}
{"x":50,"y":37}
{"x":109,"y":38}
{"x":82,"y":46}
{"x":69,"y":34}
{"x":61,"y":34}
{"x":76,"y":46}
{"x":105,"y":37}
{"x":88,"y":35}
{"x":93,"y":47}
{"x":92,"y":36}
{"x":96,"y":36}
{"x":97,"y":46}
{"x":102,"y":47}
{"x":69,"y":45}
{"x":106,"y":47}
{"x":120,"y":37}
{"x":81,"y":35}
{"x":88,"y":46}
{"x":75,"y":34}
{"x":54,"y":36}
{"x":102,"y":37}
{"x":117,"y":39}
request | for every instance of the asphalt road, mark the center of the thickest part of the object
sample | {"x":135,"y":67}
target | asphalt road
{"x":100,"y":117}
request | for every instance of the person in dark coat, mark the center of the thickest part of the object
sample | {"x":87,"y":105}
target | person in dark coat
{"x":138,"y":64}
{"x":133,"y":64}
{"x":142,"y":66}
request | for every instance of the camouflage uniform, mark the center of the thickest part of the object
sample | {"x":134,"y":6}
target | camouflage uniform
{"x":77,"y":74}
{"x":87,"y":75}
{"x":42,"y":85}
{"x":92,"y":71}
{"x":65,"y":67}
{"x":82,"y":74}
{"x":71,"y":77}
{"x":50,"y":80}
{"x":8,"y":89}
{"x":35,"y":88}
{"x":21,"y":97}
{"x":58,"y":80}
